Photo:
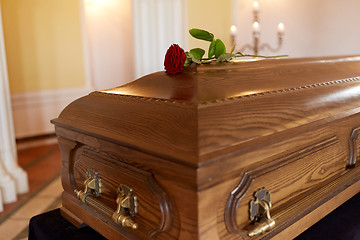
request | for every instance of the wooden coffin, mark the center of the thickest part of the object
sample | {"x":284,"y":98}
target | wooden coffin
{"x":253,"y":149}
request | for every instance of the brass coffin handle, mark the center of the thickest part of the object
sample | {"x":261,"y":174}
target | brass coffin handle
{"x":126,"y":200}
{"x":92,"y":186}
{"x":127,"y":207}
{"x":260,"y":213}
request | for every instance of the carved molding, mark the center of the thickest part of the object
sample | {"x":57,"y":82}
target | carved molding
{"x":69,"y":152}
{"x":251,"y":175}
{"x":233,"y":201}
{"x":165,"y":206}
{"x":353,"y":147}
{"x":144,"y":177}
{"x":255,"y":95}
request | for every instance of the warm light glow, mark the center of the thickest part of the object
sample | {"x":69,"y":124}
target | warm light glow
{"x":256,"y":27}
{"x":94,"y":2}
{"x":247,"y":92}
{"x":281,"y":28}
{"x":339,"y":96}
{"x":247,"y":60}
{"x":89,"y":2}
{"x":256,"y":5}
{"x":126,"y":91}
{"x":233,"y":29}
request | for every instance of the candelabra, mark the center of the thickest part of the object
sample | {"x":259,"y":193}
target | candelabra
{"x":257,"y":46}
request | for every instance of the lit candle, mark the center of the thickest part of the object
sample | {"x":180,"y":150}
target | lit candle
{"x":233,"y":30}
{"x":256,"y":6}
{"x":281,"y":28}
{"x":256,"y":27}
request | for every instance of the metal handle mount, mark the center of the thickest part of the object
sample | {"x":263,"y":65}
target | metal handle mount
{"x":260,"y":213}
{"x":127,"y":204}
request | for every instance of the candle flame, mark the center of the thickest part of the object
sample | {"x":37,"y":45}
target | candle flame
{"x":281,"y":28}
{"x":233,"y":28}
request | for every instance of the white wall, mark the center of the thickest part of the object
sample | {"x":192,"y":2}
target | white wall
{"x":313,"y":28}
{"x":157,"y":25}
{"x":110,"y":41}
{"x":339,"y":27}
{"x":127,"y":39}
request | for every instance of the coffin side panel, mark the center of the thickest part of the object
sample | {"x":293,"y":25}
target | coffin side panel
{"x":291,"y":176}
{"x":319,"y":154}
{"x":155,"y":211}
{"x":157,"y":215}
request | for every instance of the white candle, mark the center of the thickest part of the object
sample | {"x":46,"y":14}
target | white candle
{"x":233,"y":30}
{"x":256,"y":6}
{"x":256,"y":27}
{"x":281,"y":28}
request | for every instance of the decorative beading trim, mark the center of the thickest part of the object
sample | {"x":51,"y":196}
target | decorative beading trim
{"x":167,"y":101}
{"x":148,"y":99}
{"x":354,"y":79}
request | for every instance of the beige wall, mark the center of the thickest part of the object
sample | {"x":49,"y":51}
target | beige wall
{"x":43,"y":44}
{"x":211,"y":15}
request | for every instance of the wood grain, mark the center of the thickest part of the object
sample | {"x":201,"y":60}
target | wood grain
{"x":354,"y":147}
{"x":196,"y":146}
{"x":154,"y":204}
{"x":220,"y":105}
{"x":306,"y":169}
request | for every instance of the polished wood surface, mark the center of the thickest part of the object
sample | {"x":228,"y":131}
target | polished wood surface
{"x":239,"y":100}
{"x":196,"y":146}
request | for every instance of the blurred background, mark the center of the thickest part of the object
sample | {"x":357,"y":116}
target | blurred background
{"x":57,"y":51}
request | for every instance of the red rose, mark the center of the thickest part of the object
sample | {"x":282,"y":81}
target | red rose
{"x":174,"y":59}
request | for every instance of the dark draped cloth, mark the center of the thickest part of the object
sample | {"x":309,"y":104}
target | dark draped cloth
{"x":51,"y":226}
{"x":341,"y":224}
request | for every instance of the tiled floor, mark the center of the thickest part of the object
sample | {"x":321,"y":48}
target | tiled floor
{"x":43,"y":166}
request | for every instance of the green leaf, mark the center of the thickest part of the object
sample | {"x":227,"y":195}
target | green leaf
{"x":201,"y":34}
{"x":211,"y":52}
{"x":219,"y":48}
{"x":198,"y":53}
{"x":226,"y":57}
{"x":193,"y":59}
{"x":196,"y":61}
{"x":188,"y":59}
{"x":187,"y":62}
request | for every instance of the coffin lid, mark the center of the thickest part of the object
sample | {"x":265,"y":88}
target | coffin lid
{"x":195,"y":115}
